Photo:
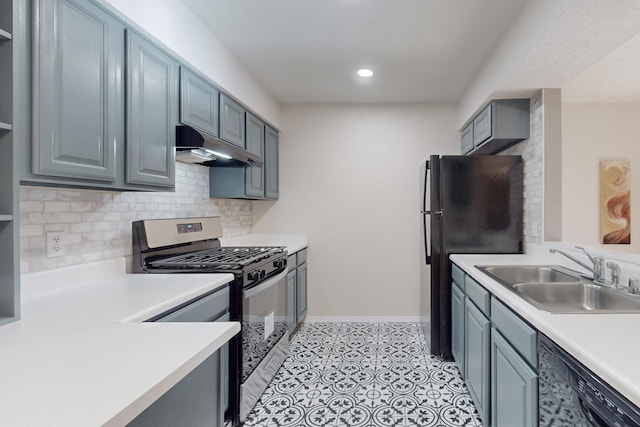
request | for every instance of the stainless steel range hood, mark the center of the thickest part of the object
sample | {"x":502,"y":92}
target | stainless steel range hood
{"x":193,"y":146}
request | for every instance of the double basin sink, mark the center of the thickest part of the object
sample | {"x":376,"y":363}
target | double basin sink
{"x":558,"y":289}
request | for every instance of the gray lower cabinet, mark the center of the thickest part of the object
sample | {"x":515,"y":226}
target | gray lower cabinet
{"x":202,"y":397}
{"x":297,"y":289}
{"x":198,"y":102}
{"x":194,"y":401}
{"x":232,"y":125}
{"x":476,"y":360}
{"x":152,"y":113}
{"x":272,"y":165}
{"x":514,"y":386}
{"x":78,"y":121}
{"x":457,"y":326}
{"x":499,"y":362}
{"x":301,"y":291}
{"x":291,"y":300}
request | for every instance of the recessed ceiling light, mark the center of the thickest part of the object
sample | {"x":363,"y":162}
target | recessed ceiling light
{"x":365,"y":72}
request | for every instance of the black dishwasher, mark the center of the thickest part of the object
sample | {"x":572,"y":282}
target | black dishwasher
{"x":570,"y":395}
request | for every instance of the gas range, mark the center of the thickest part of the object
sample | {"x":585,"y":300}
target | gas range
{"x":192,"y":245}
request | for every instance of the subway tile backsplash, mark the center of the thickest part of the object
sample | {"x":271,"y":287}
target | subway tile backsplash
{"x":97,"y":224}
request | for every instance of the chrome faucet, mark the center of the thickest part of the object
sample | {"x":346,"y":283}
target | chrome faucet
{"x":597,"y":269}
{"x":615,"y":274}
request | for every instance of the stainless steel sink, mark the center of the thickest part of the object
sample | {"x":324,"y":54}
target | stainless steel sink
{"x":512,"y":274}
{"x":560,"y":290}
{"x":577,"y":298}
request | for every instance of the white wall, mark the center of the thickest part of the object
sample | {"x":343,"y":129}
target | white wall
{"x":173,"y":24}
{"x":590,"y":133}
{"x":349,"y":177}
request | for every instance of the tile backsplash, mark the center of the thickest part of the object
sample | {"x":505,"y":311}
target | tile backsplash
{"x":532,"y":151}
{"x":97,"y":224}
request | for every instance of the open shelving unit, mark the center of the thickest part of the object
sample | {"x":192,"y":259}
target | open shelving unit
{"x":9,"y":184}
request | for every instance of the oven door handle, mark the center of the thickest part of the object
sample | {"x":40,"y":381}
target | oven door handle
{"x":266,"y":284}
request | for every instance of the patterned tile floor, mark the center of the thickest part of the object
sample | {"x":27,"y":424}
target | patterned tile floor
{"x":364,"y":374}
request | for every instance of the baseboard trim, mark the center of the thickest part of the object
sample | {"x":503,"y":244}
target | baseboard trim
{"x":368,"y":319}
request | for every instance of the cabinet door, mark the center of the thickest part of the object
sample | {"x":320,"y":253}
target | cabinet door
{"x":291,"y":300}
{"x":301,"y":285}
{"x":78,"y":98}
{"x":457,"y":327}
{"x":198,"y":102}
{"x":152,"y":113}
{"x":466,"y":139}
{"x":232,"y":121}
{"x":514,"y":387}
{"x":191,"y":402}
{"x":254,"y":176}
{"x":272,"y":165}
{"x":477,"y":352}
{"x":482,"y":126}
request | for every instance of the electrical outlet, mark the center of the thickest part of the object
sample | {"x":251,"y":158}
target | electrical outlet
{"x":55,"y":244}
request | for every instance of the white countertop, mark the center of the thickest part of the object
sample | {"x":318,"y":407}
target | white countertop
{"x":293,"y":242}
{"x":81,"y":356}
{"x":608,"y":344}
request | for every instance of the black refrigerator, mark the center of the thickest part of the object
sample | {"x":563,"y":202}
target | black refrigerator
{"x":470,"y":205}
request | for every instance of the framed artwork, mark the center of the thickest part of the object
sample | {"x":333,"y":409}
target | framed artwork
{"x":615,"y":202}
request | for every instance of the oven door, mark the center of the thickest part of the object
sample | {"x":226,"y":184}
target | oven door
{"x":265,"y":337}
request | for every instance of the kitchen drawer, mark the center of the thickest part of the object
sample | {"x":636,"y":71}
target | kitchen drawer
{"x":301,"y":256}
{"x":206,"y":309}
{"x":291,"y":261}
{"x":521,"y":336}
{"x":479,"y":295}
{"x":458,"y":276}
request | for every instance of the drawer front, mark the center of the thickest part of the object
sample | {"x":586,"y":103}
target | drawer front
{"x":458,"y":276}
{"x":521,"y":336}
{"x":291,"y":261}
{"x":479,"y":295}
{"x":302,"y":256}
{"x":482,"y":126}
{"x":207,"y":309}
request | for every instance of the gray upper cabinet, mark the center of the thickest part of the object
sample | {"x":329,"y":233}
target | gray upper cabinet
{"x":152,"y":113}
{"x":77,"y":103}
{"x":232,"y":124}
{"x":498,"y":126}
{"x":254,"y":180}
{"x":466,"y":139}
{"x":254,"y":183}
{"x":482,"y":126}
{"x":198,"y":102}
{"x":271,"y":164}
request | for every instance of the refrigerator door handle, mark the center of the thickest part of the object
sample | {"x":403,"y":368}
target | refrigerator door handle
{"x":431,"y":212}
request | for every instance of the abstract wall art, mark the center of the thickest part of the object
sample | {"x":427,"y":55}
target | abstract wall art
{"x":615,"y":202}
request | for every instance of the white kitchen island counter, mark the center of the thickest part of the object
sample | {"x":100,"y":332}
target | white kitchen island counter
{"x":81,"y":356}
{"x":607,"y":344}
{"x":293,"y":242}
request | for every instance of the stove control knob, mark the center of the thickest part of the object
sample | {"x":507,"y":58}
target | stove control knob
{"x":263,"y":273}
{"x":280,"y":263}
{"x":254,"y":275}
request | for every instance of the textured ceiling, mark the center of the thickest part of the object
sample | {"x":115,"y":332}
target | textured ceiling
{"x":308,"y":50}
{"x":426,"y":51}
